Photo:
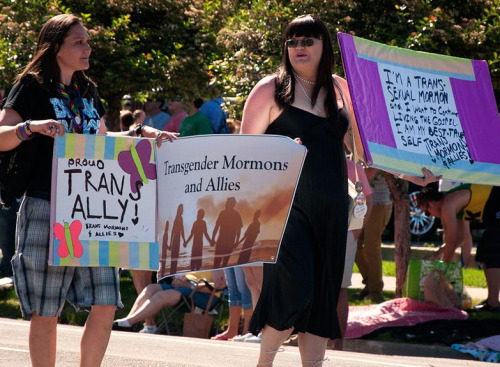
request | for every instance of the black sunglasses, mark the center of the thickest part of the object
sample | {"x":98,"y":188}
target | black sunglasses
{"x":306,"y":42}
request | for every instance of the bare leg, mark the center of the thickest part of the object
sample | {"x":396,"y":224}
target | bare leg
{"x":96,"y":335}
{"x":146,"y":294}
{"x":342,"y":313}
{"x":152,"y":305}
{"x":42,"y":340}
{"x":254,"y":276}
{"x":312,"y":349}
{"x":247,"y":315}
{"x":493,"y":281}
{"x":272,"y":340}
{"x":141,"y":278}
{"x":234,"y":322}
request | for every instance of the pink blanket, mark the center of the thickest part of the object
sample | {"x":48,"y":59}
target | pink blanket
{"x":397,"y":312}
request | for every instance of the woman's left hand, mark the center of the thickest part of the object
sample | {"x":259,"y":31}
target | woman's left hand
{"x":427,"y":178}
{"x":159,"y":135}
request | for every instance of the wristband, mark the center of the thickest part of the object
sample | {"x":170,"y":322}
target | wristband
{"x":401,"y":175}
{"x":21,"y":134}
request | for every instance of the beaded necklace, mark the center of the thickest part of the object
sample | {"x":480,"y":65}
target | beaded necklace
{"x":304,"y":80}
{"x":307,"y":95}
{"x":74,"y":104}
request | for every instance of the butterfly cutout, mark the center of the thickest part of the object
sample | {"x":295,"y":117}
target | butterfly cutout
{"x":136,"y":163}
{"x":69,"y":243}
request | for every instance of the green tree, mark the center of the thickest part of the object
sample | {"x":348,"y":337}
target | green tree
{"x":139,"y":46}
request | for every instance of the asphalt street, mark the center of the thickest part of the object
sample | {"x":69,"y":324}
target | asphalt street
{"x":133,"y":349}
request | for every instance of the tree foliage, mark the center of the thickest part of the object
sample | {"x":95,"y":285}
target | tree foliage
{"x":139,"y":46}
{"x":180,"y":47}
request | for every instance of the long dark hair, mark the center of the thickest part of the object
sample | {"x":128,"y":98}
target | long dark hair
{"x":308,"y":26}
{"x":43,"y":67}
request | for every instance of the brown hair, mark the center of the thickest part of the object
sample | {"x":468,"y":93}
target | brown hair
{"x":44,"y":67}
{"x":427,"y":195}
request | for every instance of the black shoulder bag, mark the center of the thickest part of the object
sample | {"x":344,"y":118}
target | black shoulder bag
{"x":14,"y":173}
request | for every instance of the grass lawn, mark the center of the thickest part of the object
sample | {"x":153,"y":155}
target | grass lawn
{"x":472,"y":277}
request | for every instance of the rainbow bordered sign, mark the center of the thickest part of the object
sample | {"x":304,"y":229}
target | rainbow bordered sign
{"x":417,"y":109}
{"x":114,"y":197}
{"x":104,"y":207}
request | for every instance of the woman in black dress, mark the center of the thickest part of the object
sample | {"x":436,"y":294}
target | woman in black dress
{"x":305,"y":102}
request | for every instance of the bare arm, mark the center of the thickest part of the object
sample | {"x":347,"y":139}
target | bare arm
{"x":146,"y":132}
{"x":9,"y":121}
{"x":453,"y":228}
{"x":260,"y":109}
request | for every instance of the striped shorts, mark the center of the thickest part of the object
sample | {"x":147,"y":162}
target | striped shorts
{"x":42,"y":288}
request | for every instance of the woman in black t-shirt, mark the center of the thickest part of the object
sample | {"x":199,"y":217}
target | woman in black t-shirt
{"x":54,"y":96}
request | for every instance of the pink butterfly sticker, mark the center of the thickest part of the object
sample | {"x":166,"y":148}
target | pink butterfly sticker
{"x":69,"y":241}
{"x":136,"y":163}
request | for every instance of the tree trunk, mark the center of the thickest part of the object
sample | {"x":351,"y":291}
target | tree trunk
{"x":402,"y":248}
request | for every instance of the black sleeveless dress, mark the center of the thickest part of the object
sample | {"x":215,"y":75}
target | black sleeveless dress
{"x":301,"y":289}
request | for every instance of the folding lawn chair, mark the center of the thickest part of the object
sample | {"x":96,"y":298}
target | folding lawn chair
{"x":173,"y":316}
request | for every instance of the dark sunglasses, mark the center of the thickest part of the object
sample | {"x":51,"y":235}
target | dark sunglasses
{"x":306,"y":42}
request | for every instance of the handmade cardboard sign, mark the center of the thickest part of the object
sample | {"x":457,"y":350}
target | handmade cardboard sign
{"x":417,"y":109}
{"x":201,"y":202}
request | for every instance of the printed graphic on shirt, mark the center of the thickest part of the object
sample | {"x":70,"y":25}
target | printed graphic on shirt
{"x":72,"y":123}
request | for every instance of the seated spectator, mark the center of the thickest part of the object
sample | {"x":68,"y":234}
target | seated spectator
{"x":126,"y":120}
{"x":177,"y":114}
{"x":156,"y":296}
{"x":196,"y":123}
{"x":239,"y":298}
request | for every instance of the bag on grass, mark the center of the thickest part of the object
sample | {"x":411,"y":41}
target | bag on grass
{"x":439,"y":291}
{"x":419,"y":269}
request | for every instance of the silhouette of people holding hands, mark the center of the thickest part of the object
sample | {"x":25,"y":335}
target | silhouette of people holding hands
{"x":164,"y":249}
{"x":249,"y":238}
{"x":197,"y":231}
{"x":175,"y":241}
{"x":228,"y":225}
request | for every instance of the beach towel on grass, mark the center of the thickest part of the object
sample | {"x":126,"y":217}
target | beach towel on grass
{"x":486,"y":350}
{"x":397,"y":312}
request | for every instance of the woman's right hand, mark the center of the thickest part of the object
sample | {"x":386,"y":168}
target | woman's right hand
{"x":47,"y":127}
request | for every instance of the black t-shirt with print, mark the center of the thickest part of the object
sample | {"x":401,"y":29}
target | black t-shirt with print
{"x":31,"y":101}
